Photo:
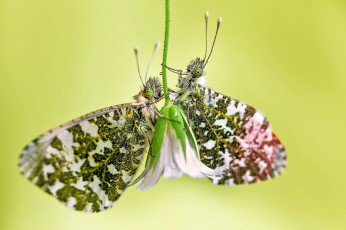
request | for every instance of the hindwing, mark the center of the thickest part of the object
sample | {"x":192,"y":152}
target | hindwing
{"x":89,"y":162}
{"x":234,"y":138}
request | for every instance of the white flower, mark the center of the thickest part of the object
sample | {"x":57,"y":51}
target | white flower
{"x":171,"y":161}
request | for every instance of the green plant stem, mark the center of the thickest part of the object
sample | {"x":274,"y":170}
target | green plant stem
{"x":165,"y":51}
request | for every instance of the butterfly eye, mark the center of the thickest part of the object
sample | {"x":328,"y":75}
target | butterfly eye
{"x":196,"y":71}
{"x":149,"y":92}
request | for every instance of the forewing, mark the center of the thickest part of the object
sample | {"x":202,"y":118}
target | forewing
{"x":234,"y":138}
{"x":89,"y":162}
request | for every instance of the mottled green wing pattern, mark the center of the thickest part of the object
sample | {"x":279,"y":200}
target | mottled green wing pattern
{"x":89,"y":162}
{"x":233,"y":138}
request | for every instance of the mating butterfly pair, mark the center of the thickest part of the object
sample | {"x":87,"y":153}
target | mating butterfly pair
{"x":89,"y":162}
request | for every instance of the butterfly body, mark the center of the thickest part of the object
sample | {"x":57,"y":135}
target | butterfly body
{"x":88,"y":163}
{"x":232,"y":137}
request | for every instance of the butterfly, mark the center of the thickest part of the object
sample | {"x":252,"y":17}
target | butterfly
{"x":89,"y":162}
{"x":233,"y":137}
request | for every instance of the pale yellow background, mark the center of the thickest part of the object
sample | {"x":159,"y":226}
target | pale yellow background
{"x":62,"y":59}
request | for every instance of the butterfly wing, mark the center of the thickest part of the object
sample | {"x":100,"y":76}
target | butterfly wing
{"x":234,"y":138}
{"x":88,"y":162}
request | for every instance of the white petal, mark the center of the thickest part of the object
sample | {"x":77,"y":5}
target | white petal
{"x":196,"y":168}
{"x":192,"y":166}
{"x":153,"y":176}
{"x":155,"y":173}
{"x":179,"y":158}
{"x":171,"y":169}
{"x":171,"y":172}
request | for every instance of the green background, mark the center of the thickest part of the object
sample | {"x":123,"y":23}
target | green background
{"x":62,"y":59}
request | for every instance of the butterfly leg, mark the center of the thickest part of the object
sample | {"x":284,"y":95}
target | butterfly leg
{"x":188,"y":113}
{"x":160,"y":115}
{"x":170,"y":93}
{"x":176,"y":71}
{"x":147,"y":137}
{"x":154,"y":102}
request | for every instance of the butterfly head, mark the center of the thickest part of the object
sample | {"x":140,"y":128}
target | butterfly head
{"x":148,"y":92}
{"x":152,"y":90}
{"x":194,"y":77}
{"x":196,"y":68}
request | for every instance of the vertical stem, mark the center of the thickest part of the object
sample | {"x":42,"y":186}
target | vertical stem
{"x":165,"y":51}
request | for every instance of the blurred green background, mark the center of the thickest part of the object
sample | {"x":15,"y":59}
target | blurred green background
{"x":62,"y":59}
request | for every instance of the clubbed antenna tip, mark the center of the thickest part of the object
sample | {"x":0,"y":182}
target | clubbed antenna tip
{"x":139,"y":72}
{"x":206,"y":15}
{"x":135,"y":48}
{"x":158,"y":44}
{"x":212,"y":47}
{"x":156,"y":48}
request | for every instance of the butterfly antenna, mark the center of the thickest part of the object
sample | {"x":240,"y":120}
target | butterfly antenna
{"x":139,"y":72}
{"x":217,"y":30}
{"x":206,"y":34}
{"x":156,"y":48}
